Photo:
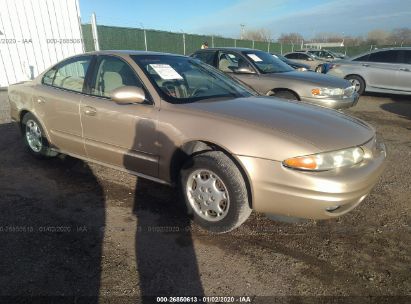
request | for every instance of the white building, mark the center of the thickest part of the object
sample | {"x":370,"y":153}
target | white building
{"x":35,"y":34}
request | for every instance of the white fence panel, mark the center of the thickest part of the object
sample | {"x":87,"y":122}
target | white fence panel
{"x":35,"y":35}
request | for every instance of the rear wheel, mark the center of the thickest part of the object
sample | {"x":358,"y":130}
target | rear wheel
{"x":357,"y":82}
{"x":215,"y":192}
{"x":34,"y":137}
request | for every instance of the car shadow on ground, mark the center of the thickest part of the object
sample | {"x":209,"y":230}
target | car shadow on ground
{"x":165,"y":256}
{"x":400,"y":105}
{"x":52,"y":212}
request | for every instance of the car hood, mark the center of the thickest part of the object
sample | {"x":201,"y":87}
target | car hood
{"x":324,"y":129}
{"x":313,"y":78}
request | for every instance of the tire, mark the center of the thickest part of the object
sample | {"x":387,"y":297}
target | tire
{"x":285,"y":95}
{"x":215,"y":192}
{"x":358,"y":82}
{"x":34,"y":137}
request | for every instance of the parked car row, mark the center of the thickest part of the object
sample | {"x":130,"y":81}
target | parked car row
{"x":270,"y":76}
{"x":380,"y":71}
{"x":229,"y":148}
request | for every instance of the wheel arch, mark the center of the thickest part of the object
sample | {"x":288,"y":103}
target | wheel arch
{"x":357,"y":75}
{"x":276,"y":90}
{"x":194,"y":147}
{"x":22,"y":113}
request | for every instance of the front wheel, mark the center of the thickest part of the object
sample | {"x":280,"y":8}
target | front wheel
{"x":357,"y":82}
{"x":215,"y":192}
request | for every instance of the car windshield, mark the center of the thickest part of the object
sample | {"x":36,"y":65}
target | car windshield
{"x":267,"y":63}
{"x":181,"y":79}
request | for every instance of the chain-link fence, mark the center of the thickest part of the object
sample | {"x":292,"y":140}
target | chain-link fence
{"x":124,"y":38}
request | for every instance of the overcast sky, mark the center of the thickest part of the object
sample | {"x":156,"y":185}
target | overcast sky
{"x":223,"y":17}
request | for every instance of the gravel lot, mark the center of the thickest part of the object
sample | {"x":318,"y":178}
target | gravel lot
{"x":77,"y":229}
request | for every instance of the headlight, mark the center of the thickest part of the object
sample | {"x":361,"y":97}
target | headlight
{"x":325,"y":92}
{"x":326,"y":161}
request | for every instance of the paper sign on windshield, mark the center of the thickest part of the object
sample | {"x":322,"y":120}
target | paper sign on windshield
{"x":254,"y":57}
{"x":166,"y":71}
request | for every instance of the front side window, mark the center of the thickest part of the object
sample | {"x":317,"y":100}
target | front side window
{"x":182,"y":80}
{"x":112,"y":73}
{"x":362,"y":58}
{"x":267,"y":63}
{"x":384,"y":56}
{"x":231,"y":62}
{"x":70,"y":75}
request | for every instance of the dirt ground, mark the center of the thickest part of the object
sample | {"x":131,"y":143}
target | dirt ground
{"x":75,"y":229}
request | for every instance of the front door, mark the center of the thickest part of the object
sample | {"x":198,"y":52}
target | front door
{"x":119,"y":135}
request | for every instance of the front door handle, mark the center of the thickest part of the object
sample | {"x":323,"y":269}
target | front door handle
{"x":404,"y":69}
{"x":90,"y":111}
{"x":366,"y":65}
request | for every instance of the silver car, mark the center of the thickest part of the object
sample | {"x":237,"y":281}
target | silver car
{"x":380,"y":71}
{"x":316,"y":63}
{"x":270,"y":76}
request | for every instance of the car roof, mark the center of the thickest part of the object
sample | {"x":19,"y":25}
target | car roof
{"x":238,"y":49}
{"x":129,"y":52}
{"x":381,"y":49}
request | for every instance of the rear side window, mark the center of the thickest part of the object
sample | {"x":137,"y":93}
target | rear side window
{"x":384,"y":56}
{"x":49,"y":77}
{"x":206,"y":57}
{"x":406,"y":57}
{"x":70,"y":75}
{"x":292,"y":56}
{"x":362,"y":58}
{"x":112,"y":73}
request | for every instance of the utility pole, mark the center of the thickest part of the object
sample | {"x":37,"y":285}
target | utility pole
{"x":95,"y":32}
{"x":184,"y":41}
{"x":145,"y":36}
{"x":242,"y":31}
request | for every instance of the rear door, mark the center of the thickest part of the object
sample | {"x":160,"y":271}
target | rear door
{"x":57,"y":103}
{"x":119,"y":135}
{"x":382,"y":69}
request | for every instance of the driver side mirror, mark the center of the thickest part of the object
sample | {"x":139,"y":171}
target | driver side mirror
{"x":244,"y":70}
{"x":128,"y":95}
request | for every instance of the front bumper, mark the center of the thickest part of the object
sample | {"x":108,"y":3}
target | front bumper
{"x":333,"y":102}
{"x":283,"y":191}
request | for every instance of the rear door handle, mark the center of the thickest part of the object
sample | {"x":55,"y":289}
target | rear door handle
{"x":365,"y":65}
{"x":404,"y":69}
{"x":90,"y":111}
